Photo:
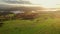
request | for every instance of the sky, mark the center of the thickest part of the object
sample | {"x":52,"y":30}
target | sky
{"x":47,"y":3}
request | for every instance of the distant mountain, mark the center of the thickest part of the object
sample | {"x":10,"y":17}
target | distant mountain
{"x":13,"y":7}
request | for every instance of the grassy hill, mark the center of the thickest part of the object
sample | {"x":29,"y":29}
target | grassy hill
{"x":45,"y":24}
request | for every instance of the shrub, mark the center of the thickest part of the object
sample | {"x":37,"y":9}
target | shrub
{"x":27,"y":16}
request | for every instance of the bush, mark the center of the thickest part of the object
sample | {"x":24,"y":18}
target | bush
{"x":27,"y":16}
{"x":6,"y":17}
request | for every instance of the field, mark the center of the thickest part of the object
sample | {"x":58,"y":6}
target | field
{"x":45,"y":24}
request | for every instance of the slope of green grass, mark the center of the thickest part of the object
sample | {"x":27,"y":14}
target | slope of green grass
{"x":42,"y":25}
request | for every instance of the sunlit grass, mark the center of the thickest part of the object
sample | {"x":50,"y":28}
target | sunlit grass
{"x":42,"y":25}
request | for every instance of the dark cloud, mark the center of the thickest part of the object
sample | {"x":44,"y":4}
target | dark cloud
{"x":16,"y":2}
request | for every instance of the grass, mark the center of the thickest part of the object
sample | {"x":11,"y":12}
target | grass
{"x":42,"y":25}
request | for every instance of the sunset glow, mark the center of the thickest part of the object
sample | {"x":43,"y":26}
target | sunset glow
{"x":47,"y":3}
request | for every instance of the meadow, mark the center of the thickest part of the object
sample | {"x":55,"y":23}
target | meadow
{"x":46,"y":23}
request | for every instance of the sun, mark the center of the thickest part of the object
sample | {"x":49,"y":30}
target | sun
{"x":46,"y":3}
